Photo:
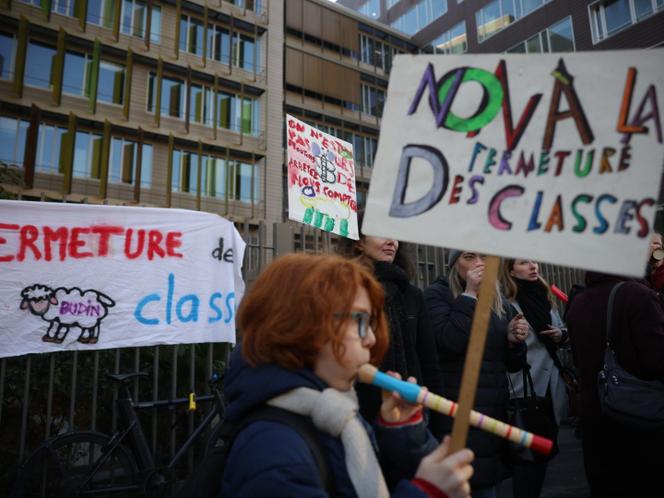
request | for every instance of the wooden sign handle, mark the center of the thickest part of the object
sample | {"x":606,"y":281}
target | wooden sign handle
{"x":474,"y":354}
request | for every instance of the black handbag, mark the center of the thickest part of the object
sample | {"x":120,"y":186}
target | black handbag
{"x":623,"y":397}
{"x":531,"y":413}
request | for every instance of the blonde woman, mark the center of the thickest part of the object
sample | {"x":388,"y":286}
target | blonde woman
{"x":451,"y":304}
{"x":530,"y":295}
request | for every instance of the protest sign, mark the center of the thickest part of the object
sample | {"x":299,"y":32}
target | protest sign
{"x":554,"y":157}
{"x":321,"y":179}
{"x":81,"y":277}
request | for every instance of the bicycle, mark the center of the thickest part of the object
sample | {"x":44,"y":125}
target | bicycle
{"x":87,"y":463}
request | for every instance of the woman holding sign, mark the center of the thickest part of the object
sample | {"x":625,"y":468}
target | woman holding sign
{"x":530,"y":294}
{"x":451,"y":306}
{"x":301,"y":352}
{"x":412,"y":349}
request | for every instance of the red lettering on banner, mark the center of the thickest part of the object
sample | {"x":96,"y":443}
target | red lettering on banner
{"x":154,"y":239}
{"x":75,"y":243}
{"x":139,"y":244}
{"x":6,"y":226}
{"x":105,"y":233}
{"x":27,"y":237}
{"x":59,"y":234}
{"x":172,"y":243}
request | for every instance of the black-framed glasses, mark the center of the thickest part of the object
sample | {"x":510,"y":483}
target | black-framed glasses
{"x":363,"y":319}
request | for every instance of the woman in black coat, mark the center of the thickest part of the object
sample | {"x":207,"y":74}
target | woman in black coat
{"x":412,"y":349}
{"x":451,"y":306}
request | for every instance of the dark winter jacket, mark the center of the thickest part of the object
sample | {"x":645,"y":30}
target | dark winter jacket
{"x":412,"y":350}
{"x":269,"y":459}
{"x":638,"y":322}
{"x":451,"y":320}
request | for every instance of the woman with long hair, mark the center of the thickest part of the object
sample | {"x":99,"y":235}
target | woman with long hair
{"x":412,"y":350}
{"x":531,"y":295}
{"x":300,"y":352}
{"x":451,"y":305}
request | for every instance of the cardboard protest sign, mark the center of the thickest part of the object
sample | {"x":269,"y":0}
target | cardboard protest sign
{"x":554,"y":157}
{"x":321,"y":179}
{"x":80,"y":277}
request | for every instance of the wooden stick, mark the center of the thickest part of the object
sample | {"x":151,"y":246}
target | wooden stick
{"x":417,"y":394}
{"x":471,"y":369}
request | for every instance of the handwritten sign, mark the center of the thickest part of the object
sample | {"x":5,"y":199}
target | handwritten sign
{"x":556,"y":157}
{"x":321,"y":179}
{"x":80,"y":277}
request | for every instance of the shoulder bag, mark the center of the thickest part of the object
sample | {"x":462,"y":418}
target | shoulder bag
{"x":624,"y":397}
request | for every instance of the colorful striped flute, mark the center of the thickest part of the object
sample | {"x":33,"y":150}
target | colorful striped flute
{"x":417,"y":394}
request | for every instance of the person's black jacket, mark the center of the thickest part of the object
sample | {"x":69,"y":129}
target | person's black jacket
{"x":451,"y":320}
{"x":412,"y":350}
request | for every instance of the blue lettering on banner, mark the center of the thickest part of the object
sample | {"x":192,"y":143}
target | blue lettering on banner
{"x":187,"y":307}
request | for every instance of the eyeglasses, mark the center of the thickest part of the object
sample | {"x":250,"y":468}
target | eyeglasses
{"x":363,"y":319}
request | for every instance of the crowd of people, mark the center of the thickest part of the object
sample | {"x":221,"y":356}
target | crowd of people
{"x":301,"y":350}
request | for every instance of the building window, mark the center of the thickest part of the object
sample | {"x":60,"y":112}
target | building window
{"x":191,"y":35}
{"x":76,"y":74}
{"x":499,"y":14}
{"x":242,"y":51}
{"x":101,"y":12}
{"x":376,"y":53}
{"x":220,"y":178}
{"x":36,"y":3}
{"x":7,"y":53}
{"x":87,"y":155}
{"x":63,"y":7}
{"x":608,"y":17}
{"x":134,"y":18}
{"x":422,"y":14}
{"x":255,"y":5}
{"x":49,"y":143}
{"x":110,"y":88}
{"x":556,"y":38}
{"x":12,"y":140}
{"x":38,"y":67}
{"x":201,"y":105}
{"x":155,"y":25}
{"x":172,"y":96}
{"x":219,"y":44}
{"x":453,"y":41}
{"x":122,"y":162}
{"x":371,"y":9}
{"x":372,"y":100}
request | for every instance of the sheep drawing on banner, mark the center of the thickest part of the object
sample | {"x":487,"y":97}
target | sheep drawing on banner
{"x":66,"y":308}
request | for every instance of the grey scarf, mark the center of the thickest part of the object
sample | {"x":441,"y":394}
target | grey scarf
{"x":335,"y":413}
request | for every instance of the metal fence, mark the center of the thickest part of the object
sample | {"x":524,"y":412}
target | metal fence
{"x":42,"y":395}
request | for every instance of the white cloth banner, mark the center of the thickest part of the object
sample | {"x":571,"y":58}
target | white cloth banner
{"x":81,"y":277}
{"x":554,"y":157}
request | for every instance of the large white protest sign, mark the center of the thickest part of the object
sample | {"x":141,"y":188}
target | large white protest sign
{"x":554,"y":157}
{"x":321,"y":179}
{"x":80,"y":277}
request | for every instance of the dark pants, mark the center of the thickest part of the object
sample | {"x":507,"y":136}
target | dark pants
{"x":621,"y":462}
{"x":528,"y":478}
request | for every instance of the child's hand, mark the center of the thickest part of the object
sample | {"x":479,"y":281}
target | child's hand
{"x":449,"y":473}
{"x":394,"y":409}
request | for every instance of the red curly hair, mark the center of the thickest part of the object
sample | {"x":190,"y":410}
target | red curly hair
{"x":289,"y":313}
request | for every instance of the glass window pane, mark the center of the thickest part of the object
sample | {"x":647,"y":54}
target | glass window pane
{"x":196,"y":104}
{"x":533,"y":45}
{"x":7,"y":48}
{"x":81,"y":155}
{"x":175,"y":182}
{"x":108,"y":13}
{"x":115,"y":160}
{"x":220,"y":179}
{"x":73,"y":78}
{"x":643,"y":8}
{"x":38,"y":67}
{"x":617,"y":15}
{"x":8,"y":140}
{"x":128,"y":160}
{"x":172,"y":98}
{"x":111,"y":83}
{"x":184,"y":27}
{"x":518,"y":49}
{"x":127,"y":8}
{"x":138,"y":19}
{"x":530,"y":5}
{"x":155,"y":25}
{"x":94,"y":12}
{"x":146,"y":166}
{"x":560,"y":36}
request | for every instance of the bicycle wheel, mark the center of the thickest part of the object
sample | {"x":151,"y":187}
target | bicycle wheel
{"x":60,"y":465}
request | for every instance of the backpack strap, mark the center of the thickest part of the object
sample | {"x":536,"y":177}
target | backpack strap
{"x":303,"y":425}
{"x":609,"y":313}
